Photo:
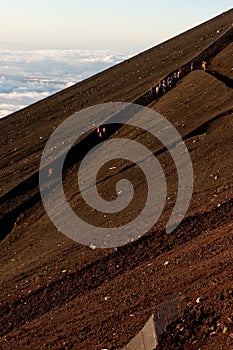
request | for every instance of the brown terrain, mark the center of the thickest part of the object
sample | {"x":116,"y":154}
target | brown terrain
{"x":58,"y":294}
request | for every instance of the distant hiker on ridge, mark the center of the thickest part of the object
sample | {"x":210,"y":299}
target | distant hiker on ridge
{"x":101,"y":131}
{"x":50,"y":172}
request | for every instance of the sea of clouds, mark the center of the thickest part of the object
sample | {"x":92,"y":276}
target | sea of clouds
{"x":29,"y":76}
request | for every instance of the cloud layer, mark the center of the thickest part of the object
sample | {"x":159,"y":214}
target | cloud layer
{"x":28,"y":76}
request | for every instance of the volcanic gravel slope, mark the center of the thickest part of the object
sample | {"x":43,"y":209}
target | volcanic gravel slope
{"x":58,"y":294}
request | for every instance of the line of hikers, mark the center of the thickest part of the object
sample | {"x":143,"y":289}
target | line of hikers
{"x":161,"y":88}
{"x":166,"y":84}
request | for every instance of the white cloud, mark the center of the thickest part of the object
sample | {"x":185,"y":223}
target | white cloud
{"x":30,"y":75}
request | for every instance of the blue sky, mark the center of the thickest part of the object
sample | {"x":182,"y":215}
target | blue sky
{"x":122,"y":25}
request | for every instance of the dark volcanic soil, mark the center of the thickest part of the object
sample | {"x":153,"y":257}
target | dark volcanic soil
{"x":58,"y":294}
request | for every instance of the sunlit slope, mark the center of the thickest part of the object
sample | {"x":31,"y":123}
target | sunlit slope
{"x":24,"y":133}
{"x":223,"y":62}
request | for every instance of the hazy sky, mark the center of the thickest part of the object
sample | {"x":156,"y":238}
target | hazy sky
{"x":123,"y":25}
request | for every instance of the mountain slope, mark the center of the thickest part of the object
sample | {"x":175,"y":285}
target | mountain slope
{"x":58,"y":294}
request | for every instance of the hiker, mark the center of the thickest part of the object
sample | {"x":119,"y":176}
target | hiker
{"x":50,"y":172}
{"x":152,"y":91}
{"x":203,"y":65}
{"x":172,"y":82}
{"x":99,"y":132}
{"x":191,"y":67}
{"x":157,"y":89}
{"x":164,"y":86}
{"x":180,"y":73}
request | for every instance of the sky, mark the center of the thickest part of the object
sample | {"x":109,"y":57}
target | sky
{"x":48,"y":45}
{"x":122,"y":25}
